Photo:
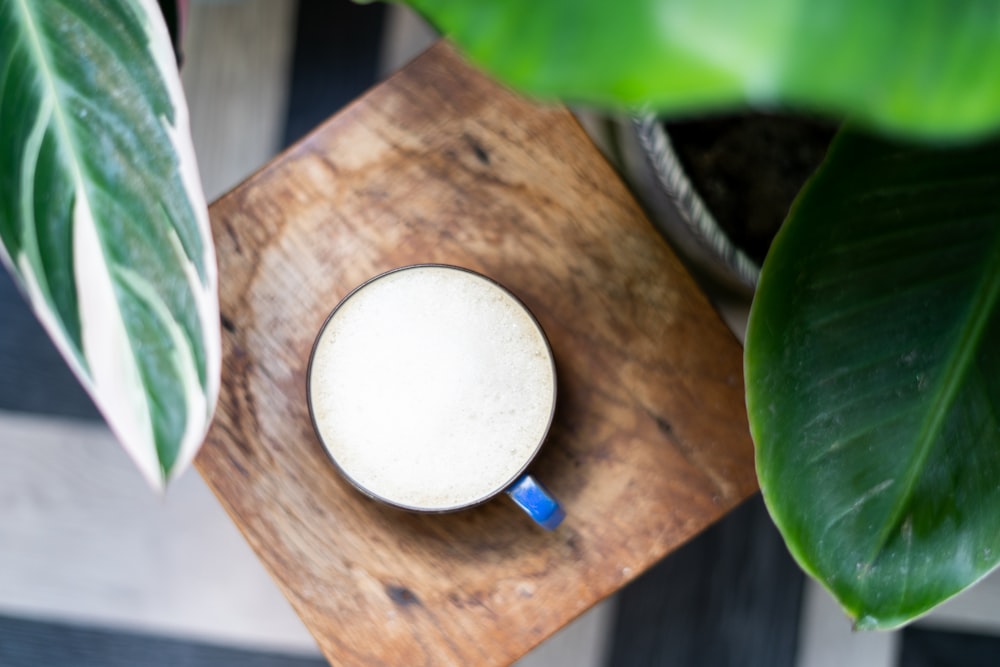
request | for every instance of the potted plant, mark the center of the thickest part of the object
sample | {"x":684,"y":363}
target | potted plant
{"x":869,"y":369}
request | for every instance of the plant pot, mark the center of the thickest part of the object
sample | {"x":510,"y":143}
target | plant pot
{"x":654,"y":170}
{"x":718,"y":189}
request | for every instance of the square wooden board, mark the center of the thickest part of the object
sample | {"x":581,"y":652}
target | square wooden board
{"x":650,"y":441}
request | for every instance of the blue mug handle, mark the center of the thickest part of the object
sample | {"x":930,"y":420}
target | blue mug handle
{"x":535,"y":499}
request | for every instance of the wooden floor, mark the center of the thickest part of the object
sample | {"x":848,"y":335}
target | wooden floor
{"x":730,"y":597}
{"x":94,"y":570}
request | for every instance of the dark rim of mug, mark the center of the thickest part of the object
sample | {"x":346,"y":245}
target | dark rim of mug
{"x":424,"y":510}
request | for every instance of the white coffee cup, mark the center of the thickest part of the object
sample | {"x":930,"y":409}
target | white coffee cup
{"x":432,"y":388}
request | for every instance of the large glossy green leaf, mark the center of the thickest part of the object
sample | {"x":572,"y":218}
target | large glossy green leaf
{"x":873,"y":375}
{"x":102,"y":218}
{"x":921,"y":67}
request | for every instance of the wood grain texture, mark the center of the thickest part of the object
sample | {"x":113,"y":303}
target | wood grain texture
{"x":650,"y":442}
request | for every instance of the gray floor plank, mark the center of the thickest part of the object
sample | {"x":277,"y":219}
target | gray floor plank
{"x":729,"y":598}
{"x":335,"y":60}
{"x":931,"y":648}
{"x":25,"y":643}
{"x":236,"y":75}
{"x":33,"y":376}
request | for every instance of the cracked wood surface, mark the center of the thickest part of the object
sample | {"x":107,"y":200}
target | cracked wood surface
{"x":649,"y":444}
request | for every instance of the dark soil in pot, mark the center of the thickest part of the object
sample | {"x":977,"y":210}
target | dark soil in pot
{"x":748,"y":168}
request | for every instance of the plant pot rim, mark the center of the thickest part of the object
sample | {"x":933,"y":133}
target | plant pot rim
{"x":680,"y":213}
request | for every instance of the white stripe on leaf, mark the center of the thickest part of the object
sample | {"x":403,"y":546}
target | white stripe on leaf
{"x":117,"y":384}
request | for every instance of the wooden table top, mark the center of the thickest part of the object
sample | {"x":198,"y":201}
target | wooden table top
{"x":649,"y":444}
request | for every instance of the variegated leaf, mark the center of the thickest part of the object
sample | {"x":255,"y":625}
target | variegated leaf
{"x":102,"y":217}
{"x":873,"y":378}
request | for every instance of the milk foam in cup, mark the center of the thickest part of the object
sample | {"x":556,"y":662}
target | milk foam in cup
{"x":432,"y":388}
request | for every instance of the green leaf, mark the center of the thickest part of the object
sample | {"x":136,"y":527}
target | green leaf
{"x":102,"y":218}
{"x":919,"y":67}
{"x":873,"y":375}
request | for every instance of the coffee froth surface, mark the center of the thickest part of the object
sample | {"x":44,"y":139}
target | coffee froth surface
{"x":432,"y":387}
